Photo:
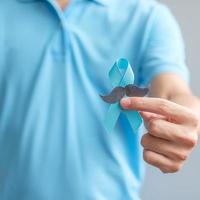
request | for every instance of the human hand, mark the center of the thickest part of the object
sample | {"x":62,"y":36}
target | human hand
{"x":172,"y":131}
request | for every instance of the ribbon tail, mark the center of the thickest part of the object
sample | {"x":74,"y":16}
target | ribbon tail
{"x":134,"y":119}
{"x":112,"y":117}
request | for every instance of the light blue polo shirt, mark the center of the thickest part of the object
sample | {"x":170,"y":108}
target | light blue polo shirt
{"x":53,"y":66}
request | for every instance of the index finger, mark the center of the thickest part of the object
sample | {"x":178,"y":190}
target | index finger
{"x":171,"y":110}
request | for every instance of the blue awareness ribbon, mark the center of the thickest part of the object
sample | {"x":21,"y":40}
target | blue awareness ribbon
{"x":121,"y":74}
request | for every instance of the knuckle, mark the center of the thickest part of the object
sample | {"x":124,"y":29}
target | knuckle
{"x":189,"y":139}
{"x":144,"y":140}
{"x":192,"y":140}
{"x":146,"y":157}
{"x":182,"y":156}
{"x":163,"y":106}
{"x":153,"y":126}
{"x":132,"y":101}
{"x":135,"y":101}
{"x":195,"y":120}
{"x":164,"y":170}
{"x":175,"y":168}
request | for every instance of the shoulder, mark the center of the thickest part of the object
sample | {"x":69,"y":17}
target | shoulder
{"x":143,"y":12}
{"x":148,"y":8}
{"x":145,"y":7}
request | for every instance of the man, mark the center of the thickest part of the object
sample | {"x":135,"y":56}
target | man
{"x":54,"y":63}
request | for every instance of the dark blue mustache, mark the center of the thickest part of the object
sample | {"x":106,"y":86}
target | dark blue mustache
{"x":119,"y":92}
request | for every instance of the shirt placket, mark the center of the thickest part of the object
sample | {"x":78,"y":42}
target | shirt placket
{"x":63,"y":29}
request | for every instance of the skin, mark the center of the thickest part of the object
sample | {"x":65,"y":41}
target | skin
{"x":172,"y":119}
{"x":62,"y":3}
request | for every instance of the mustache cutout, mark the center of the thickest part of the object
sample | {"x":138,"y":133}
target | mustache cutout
{"x":119,"y":92}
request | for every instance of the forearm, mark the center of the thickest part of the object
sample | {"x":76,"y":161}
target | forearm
{"x":187,"y":100}
{"x":173,"y":88}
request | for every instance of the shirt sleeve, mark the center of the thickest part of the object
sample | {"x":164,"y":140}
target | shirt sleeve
{"x":164,"y":50}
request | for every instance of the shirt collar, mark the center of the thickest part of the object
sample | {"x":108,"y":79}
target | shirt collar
{"x":101,"y":2}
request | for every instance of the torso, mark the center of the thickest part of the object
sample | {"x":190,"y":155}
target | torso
{"x":53,"y":144}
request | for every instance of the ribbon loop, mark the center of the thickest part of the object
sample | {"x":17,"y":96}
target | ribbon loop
{"x":121,"y":74}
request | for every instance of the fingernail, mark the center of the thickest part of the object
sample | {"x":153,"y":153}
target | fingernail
{"x":126,"y":102}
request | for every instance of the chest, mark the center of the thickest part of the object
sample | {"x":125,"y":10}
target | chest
{"x":76,"y":44}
